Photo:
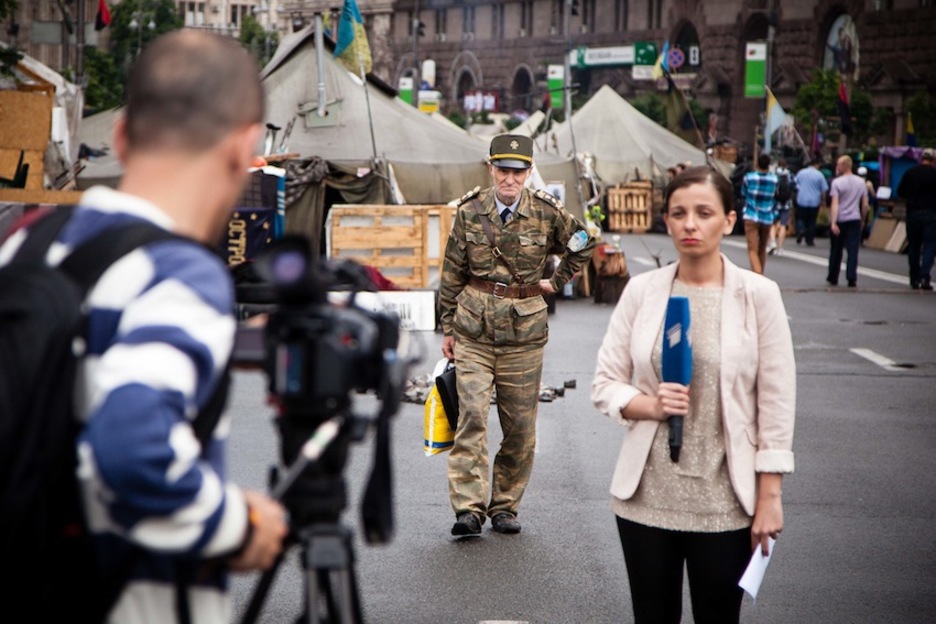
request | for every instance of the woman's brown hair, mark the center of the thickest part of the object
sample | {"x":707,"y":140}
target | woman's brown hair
{"x":701,"y":175}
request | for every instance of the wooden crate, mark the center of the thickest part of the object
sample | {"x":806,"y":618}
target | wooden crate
{"x":629,"y":207}
{"x":396,"y":240}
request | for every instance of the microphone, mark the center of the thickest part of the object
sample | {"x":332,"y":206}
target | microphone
{"x":677,"y":360}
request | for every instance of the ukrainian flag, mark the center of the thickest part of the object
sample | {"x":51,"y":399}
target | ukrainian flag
{"x":351,"y":46}
{"x":661,"y":66}
{"x":911,"y":135}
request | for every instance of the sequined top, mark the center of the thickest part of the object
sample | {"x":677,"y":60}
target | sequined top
{"x":694,"y":494}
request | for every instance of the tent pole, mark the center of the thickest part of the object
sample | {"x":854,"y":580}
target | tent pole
{"x":567,"y":18}
{"x":370,"y":116}
{"x":320,"y":59}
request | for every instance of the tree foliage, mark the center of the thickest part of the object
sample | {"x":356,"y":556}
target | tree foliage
{"x":107,"y":70}
{"x":259,"y":42}
{"x":923,"y":108}
{"x":821,"y":95}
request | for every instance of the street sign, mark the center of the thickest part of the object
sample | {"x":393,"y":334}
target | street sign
{"x":555,"y":82}
{"x":429,"y":101}
{"x":406,"y":89}
{"x":645,"y":53}
{"x":620,"y":55}
{"x":755,"y":69}
{"x":676,"y":58}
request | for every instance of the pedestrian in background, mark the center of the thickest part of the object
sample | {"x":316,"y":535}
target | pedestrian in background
{"x":160,"y":331}
{"x":918,"y":188}
{"x":786,"y":190}
{"x":759,"y":190}
{"x":811,"y":189}
{"x":494,"y":320}
{"x":847,"y":213}
{"x":722,"y":499}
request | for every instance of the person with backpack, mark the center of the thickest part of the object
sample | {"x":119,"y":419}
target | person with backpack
{"x":786,"y":187}
{"x":759,"y":189}
{"x":164,"y":525}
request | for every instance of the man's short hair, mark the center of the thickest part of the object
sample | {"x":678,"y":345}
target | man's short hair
{"x":189,"y":89}
{"x":763,"y":161}
{"x":928,"y":154}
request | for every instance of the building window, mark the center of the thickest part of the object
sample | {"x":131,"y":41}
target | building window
{"x":468,"y":19}
{"x":558,"y":12}
{"x":497,"y":21}
{"x":526,"y":17}
{"x":620,"y":16}
{"x":654,"y":13}
{"x":441,"y":25}
{"x":588,"y":15}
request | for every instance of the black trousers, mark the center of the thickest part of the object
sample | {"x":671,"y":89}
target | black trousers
{"x":921,"y":245}
{"x":806,"y":223}
{"x":715,"y":563}
{"x":848,"y":240}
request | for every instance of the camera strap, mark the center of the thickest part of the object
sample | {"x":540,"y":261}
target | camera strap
{"x":486,"y":226}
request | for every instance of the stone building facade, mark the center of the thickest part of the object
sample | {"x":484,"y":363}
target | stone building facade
{"x":506,"y":46}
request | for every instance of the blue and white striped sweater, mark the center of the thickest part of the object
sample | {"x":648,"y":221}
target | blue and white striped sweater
{"x":160,"y":333}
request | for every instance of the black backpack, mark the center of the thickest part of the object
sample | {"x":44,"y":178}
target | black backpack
{"x":44,"y":544}
{"x":784,"y":188}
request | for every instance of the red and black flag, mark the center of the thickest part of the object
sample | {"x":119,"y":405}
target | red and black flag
{"x":103,"y":17}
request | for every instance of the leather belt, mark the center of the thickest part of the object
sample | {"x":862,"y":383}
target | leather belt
{"x":499,"y":290}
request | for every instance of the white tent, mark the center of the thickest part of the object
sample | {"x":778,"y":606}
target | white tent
{"x":625,"y":143}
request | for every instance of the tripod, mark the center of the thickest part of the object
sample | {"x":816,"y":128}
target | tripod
{"x":314,"y":493}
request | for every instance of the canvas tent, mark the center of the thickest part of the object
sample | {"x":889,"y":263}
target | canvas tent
{"x":625,"y":143}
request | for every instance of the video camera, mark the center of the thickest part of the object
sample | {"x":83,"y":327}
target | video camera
{"x":317,"y":352}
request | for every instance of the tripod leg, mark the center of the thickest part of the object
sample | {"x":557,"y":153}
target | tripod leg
{"x":260,"y":593}
{"x":331,"y":588}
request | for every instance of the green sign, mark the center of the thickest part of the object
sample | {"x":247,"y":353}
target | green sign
{"x":755,"y":69}
{"x":645,"y":53}
{"x":406,"y":89}
{"x":555,"y":82}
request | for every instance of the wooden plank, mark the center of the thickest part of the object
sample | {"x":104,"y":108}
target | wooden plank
{"x":39,"y":196}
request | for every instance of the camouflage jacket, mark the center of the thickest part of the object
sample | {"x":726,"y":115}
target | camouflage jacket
{"x":540,"y":227}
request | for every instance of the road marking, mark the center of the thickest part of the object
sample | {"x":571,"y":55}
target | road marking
{"x":824,"y":262}
{"x":877,"y":358}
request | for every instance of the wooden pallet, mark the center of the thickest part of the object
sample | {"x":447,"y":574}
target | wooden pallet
{"x":629,"y":207}
{"x":393,"y":239}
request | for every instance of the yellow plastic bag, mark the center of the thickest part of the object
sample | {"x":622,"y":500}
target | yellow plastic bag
{"x":438,"y":434}
{"x":439,"y":437}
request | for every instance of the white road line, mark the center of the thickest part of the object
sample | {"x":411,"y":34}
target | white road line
{"x":824,"y":262}
{"x":877,"y":358}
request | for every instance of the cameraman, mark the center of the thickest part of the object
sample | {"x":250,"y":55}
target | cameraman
{"x":494,"y":319}
{"x":160,"y":333}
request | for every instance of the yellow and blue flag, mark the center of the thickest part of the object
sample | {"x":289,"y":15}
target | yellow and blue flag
{"x":661,"y":66}
{"x":351,"y":47}
{"x":911,"y":134}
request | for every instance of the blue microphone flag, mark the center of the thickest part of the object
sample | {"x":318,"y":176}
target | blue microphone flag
{"x":677,"y":342}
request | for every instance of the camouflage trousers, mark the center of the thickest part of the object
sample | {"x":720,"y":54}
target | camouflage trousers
{"x":515,"y":372}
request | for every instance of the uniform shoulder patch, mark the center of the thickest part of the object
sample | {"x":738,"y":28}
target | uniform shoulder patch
{"x":470,"y":194}
{"x":546,"y":197}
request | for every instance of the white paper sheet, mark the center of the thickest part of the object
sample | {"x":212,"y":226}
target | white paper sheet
{"x":754,"y":574}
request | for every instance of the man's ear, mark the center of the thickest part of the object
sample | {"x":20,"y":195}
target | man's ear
{"x":242,"y":144}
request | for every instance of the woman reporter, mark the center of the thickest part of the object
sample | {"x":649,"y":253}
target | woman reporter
{"x":722,"y":499}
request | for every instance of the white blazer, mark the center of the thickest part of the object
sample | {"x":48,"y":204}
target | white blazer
{"x":758,"y":376}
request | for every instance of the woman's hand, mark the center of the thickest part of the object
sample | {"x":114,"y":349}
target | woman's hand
{"x":768,"y":514}
{"x":672,"y":399}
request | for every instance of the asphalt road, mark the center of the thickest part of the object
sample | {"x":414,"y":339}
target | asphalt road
{"x":858,"y":546}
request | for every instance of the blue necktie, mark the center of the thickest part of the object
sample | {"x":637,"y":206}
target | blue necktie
{"x":505,"y":215}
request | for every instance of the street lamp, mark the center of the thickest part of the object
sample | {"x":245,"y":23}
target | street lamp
{"x":136,"y":23}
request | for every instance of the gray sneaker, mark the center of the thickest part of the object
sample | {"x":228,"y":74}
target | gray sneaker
{"x":466,"y":524}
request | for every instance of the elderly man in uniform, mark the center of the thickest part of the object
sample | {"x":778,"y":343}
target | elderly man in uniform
{"x":494,"y":319}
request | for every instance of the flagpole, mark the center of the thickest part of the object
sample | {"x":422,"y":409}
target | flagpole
{"x":370,"y":117}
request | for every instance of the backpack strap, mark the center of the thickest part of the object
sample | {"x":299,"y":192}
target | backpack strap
{"x":87,"y":262}
{"x":41,"y":234}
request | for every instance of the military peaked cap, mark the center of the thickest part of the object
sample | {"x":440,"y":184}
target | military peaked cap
{"x":512,"y":151}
